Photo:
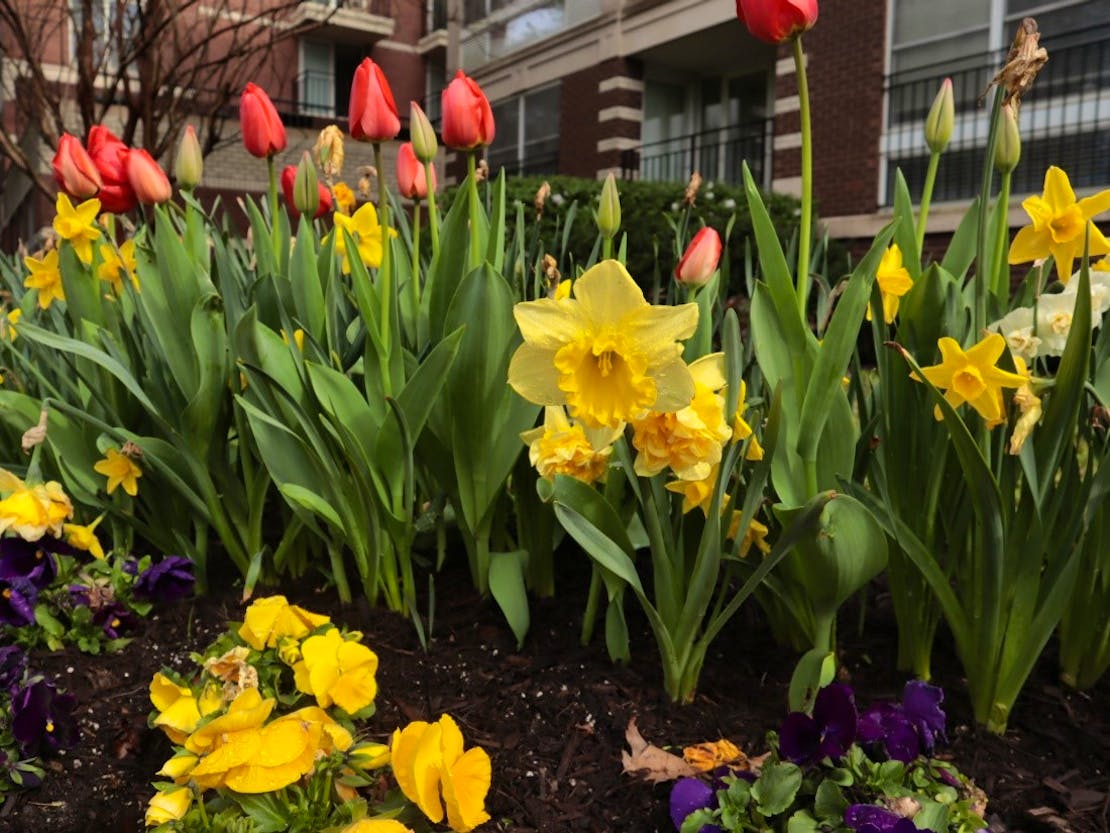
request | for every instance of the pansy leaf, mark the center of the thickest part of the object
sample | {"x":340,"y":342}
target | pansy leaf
{"x":776,"y":787}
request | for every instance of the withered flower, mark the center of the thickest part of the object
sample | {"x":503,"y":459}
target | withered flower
{"x":1023,"y":62}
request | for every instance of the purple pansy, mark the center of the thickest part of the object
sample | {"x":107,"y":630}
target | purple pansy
{"x":909,"y":728}
{"x":17,"y":601}
{"x":115,"y":619}
{"x":13,"y":662}
{"x":827,"y":734}
{"x":688,"y":795}
{"x":42,"y":718}
{"x":30,"y":560}
{"x":870,"y":818}
{"x":167,"y":581}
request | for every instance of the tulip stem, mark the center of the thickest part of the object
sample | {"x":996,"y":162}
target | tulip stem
{"x":272,"y":169}
{"x":433,"y":213}
{"x":385,"y":271}
{"x":472,"y":192}
{"x":414,"y":279}
{"x":805,"y":221}
{"x":926,"y":198}
{"x":1000,"y":284}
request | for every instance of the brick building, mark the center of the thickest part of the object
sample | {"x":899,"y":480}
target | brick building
{"x":657,"y":88}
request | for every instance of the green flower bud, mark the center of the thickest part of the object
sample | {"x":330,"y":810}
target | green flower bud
{"x":1007,"y":150}
{"x":609,"y":211}
{"x":188,"y":167}
{"x":424,"y":142}
{"x":941,"y":118}
{"x":306,"y":194}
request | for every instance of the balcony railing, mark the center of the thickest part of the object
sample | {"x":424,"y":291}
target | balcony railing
{"x":1062,"y":119}
{"x":715,"y":154}
{"x":437,"y":15}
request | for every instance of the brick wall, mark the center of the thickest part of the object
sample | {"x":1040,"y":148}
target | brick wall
{"x":584,"y":105}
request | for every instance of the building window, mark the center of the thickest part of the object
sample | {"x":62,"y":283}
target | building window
{"x":495,"y":28}
{"x":967,"y":40}
{"x":527,"y":136}
{"x":324,"y":81}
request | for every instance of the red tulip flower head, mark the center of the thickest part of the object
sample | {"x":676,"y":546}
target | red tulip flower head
{"x":777,"y":21}
{"x":700,"y":259}
{"x":148,"y":180}
{"x":109,"y":155}
{"x":411,"y":181}
{"x":373,"y":112}
{"x":288,"y":177}
{"x":263,"y":132}
{"x":74,"y":170}
{"x":467,"y":117}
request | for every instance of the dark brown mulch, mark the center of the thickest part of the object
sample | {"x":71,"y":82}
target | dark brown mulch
{"x":553,"y":716}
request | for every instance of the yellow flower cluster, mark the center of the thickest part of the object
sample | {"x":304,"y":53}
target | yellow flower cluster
{"x":562,"y":446}
{"x":433,"y":771}
{"x":32,"y":510}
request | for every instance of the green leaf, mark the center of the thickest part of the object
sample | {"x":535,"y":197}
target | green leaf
{"x":311,"y":501}
{"x":776,"y":788}
{"x":814,"y":671}
{"x":506,"y":585}
{"x":304,"y":277}
{"x":802,"y":822}
{"x":963,"y":247}
{"x":267,"y":811}
{"x":47,"y":621}
{"x":829,"y":803}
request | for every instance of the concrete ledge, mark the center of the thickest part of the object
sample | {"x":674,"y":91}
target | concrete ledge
{"x":620,"y":114}
{"x":621,"y":82}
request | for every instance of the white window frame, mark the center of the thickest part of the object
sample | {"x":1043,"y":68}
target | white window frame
{"x":102,"y":43}
{"x":303,"y":105}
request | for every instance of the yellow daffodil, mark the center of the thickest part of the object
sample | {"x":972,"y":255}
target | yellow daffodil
{"x":271,"y":618}
{"x":894,"y":281}
{"x":696,"y":494}
{"x":8,"y":324}
{"x":432,"y":771}
{"x":1059,"y":225}
{"x":755,"y":534}
{"x":689,"y":441}
{"x":560,"y":446}
{"x":973,"y":376}
{"x":363,"y":226}
{"x":605,"y":353}
{"x":1029,"y":404}
{"x":78,"y":225}
{"x":120,"y":470}
{"x":46,"y":277}
{"x":562,"y":291}
{"x":337,"y":670}
{"x":168,"y":805}
{"x":32,"y":510}
{"x":298,"y":338}
{"x":344,"y":197}
{"x":115,"y":263}
{"x":84,"y":538}
{"x":376,"y":826}
{"x":740,"y":428}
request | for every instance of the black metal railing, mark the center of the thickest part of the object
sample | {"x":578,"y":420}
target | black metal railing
{"x":1062,"y":119}
{"x":538,"y":163}
{"x":437,"y":15}
{"x":715,"y":154}
{"x":380,"y":8}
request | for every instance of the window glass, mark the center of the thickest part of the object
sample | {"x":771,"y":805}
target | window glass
{"x":503,"y":151}
{"x":917,"y":19}
{"x":316,"y":81}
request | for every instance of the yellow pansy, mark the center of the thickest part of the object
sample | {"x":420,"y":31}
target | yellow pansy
{"x":973,"y":377}
{"x":168,"y":805}
{"x":367,"y":756}
{"x":178,"y":710}
{"x":248,"y":711}
{"x":337,"y":670}
{"x":363,"y":226}
{"x":1059,"y":225}
{"x":344,"y":197}
{"x":688,"y":441}
{"x":894,"y":281}
{"x":46,"y":277}
{"x":31,"y":511}
{"x":376,"y":826}
{"x":78,"y":225}
{"x":560,"y":446}
{"x":179,"y":766}
{"x":271,"y":618}
{"x":433,"y":771}
{"x":120,"y":470}
{"x":84,"y":538}
{"x":605,"y":353}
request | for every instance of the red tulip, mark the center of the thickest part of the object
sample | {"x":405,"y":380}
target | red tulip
{"x":288,"y":177}
{"x":700,"y":259}
{"x":109,"y":155}
{"x":467,"y":117}
{"x":411,"y":181}
{"x":148,"y":180}
{"x":776,"y":21}
{"x":373,"y":112}
{"x":263,"y":132}
{"x":74,"y":170}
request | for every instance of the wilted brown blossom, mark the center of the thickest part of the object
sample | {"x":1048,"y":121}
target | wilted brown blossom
{"x":692,"y":188}
{"x":328,"y":151}
{"x":541,"y":197}
{"x":1023,"y":62}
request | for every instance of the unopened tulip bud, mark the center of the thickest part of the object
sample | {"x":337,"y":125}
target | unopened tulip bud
{"x":148,"y":180}
{"x":188,"y":167}
{"x":263,"y":131}
{"x":306,"y":194}
{"x":1007,"y":150}
{"x":609,"y":210}
{"x":467,"y":116}
{"x":424,"y":142}
{"x":700,"y":259}
{"x":941,"y":118}
{"x":329,"y":151}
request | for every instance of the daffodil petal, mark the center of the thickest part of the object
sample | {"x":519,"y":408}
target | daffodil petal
{"x":606,"y":292}
{"x":1058,"y":192}
{"x":1029,"y":244}
{"x":1095,"y":204}
{"x":674,"y":385}
{"x":532,"y":374}
{"x":547,"y":323}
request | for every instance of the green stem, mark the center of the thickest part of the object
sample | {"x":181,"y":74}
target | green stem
{"x":593,"y":600}
{"x":476,"y":256}
{"x":982,"y":262}
{"x":805,"y":223}
{"x":433,"y":213}
{"x":414,"y":279}
{"x":1001,"y":273}
{"x":385,"y":272}
{"x":272,"y":169}
{"x":926,"y":199}
{"x":811,"y":477}
{"x":606,"y":248}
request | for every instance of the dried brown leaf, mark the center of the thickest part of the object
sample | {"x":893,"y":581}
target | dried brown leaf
{"x":649,"y":761}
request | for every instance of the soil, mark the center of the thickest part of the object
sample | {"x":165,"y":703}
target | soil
{"x":553,"y":715}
